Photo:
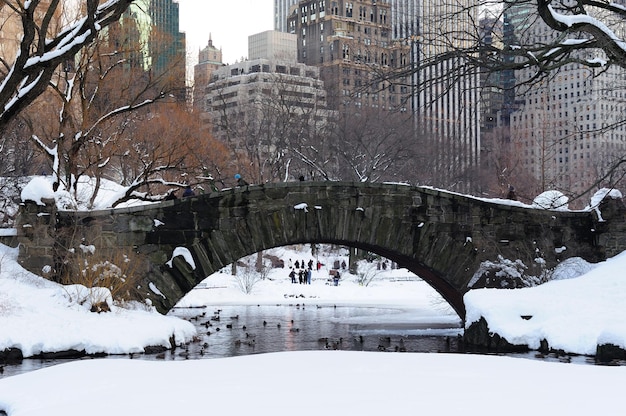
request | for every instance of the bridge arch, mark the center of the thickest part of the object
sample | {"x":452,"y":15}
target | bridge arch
{"x":440,"y":236}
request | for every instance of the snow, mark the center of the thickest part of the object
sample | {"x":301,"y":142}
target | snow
{"x":551,"y":200}
{"x":574,"y":314}
{"x":185,"y":254}
{"x":38,"y":189}
{"x":584,"y":19}
{"x":37,"y":315}
{"x":302,"y":206}
{"x":581,"y":308}
{"x":317,"y":383}
{"x":600,"y":195}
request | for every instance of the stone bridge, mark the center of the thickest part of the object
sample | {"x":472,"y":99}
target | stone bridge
{"x":447,"y":239}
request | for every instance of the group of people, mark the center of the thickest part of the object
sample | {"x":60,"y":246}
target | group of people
{"x":303,"y":276}
{"x":302,"y":272}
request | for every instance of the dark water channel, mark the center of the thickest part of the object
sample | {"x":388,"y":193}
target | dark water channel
{"x":226,"y":331}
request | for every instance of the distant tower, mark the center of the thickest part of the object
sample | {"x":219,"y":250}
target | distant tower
{"x":209,"y":59}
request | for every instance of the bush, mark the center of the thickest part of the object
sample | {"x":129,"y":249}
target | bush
{"x":107,"y":279}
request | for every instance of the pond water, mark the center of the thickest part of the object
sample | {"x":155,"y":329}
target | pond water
{"x":233,"y":330}
{"x":239,"y":330}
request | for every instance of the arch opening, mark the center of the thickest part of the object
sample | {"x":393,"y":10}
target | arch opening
{"x":448,"y":294}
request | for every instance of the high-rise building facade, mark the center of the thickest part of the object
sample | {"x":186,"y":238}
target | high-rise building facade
{"x":150,"y":28}
{"x":266,"y":108}
{"x":282,"y":9}
{"x":351,"y":42}
{"x":445,"y":98}
{"x":354,"y":42}
{"x":568,"y":128}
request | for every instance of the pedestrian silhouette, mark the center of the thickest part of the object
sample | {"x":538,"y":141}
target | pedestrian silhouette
{"x":240,"y":181}
{"x":188,"y":192}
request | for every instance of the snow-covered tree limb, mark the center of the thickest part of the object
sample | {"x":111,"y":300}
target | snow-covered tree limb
{"x":578,"y":20}
{"x":39,"y":56}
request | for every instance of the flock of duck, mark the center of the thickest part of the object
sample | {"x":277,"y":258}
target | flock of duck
{"x":212,"y":324}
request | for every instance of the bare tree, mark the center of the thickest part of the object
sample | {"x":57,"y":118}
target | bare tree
{"x":374,"y":145}
{"x":42,"y":49}
{"x":585,"y":32}
{"x":276,"y":129}
{"x":91,"y":108}
{"x":165,"y":149}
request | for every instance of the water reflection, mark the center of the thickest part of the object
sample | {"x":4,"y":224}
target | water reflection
{"x":241,"y":330}
{"x":228,"y":331}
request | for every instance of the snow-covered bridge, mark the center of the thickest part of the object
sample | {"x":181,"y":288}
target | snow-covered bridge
{"x":454,"y":242}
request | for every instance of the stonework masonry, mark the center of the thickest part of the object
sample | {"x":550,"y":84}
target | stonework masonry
{"x":442,"y":237}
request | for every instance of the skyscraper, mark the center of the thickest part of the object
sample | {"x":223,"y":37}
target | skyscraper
{"x":281,"y":12}
{"x":268,"y":108}
{"x":445,"y":100}
{"x":349,"y":39}
{"x":352,"y":44}
{"x":151,"y":29}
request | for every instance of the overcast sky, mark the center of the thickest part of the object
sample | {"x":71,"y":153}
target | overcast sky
{"x":228,"y":22}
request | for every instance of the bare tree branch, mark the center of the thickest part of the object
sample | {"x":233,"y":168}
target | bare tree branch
{"x":38,"y":57}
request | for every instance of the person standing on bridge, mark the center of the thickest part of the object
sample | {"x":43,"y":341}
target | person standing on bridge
{"x":241,"y":181}
{"x":188,"y":192}
{"x":511,"y":195}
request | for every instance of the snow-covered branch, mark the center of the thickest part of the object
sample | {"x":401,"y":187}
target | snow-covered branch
{"x":38,"y":57}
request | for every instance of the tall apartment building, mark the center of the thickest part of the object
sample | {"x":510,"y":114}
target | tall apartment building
{"x":446,"y":104}
{"x":234,"y":87}
{"x":568,"y":128}
{"x":352,"y":44}
{"x":209,"y":60}
{"x":266,"y":108}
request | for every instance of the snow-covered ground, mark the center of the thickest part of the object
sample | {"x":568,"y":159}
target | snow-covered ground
{"x":317,"y":383}
{"x":583,"y":308}
{"x":37,"y":315}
